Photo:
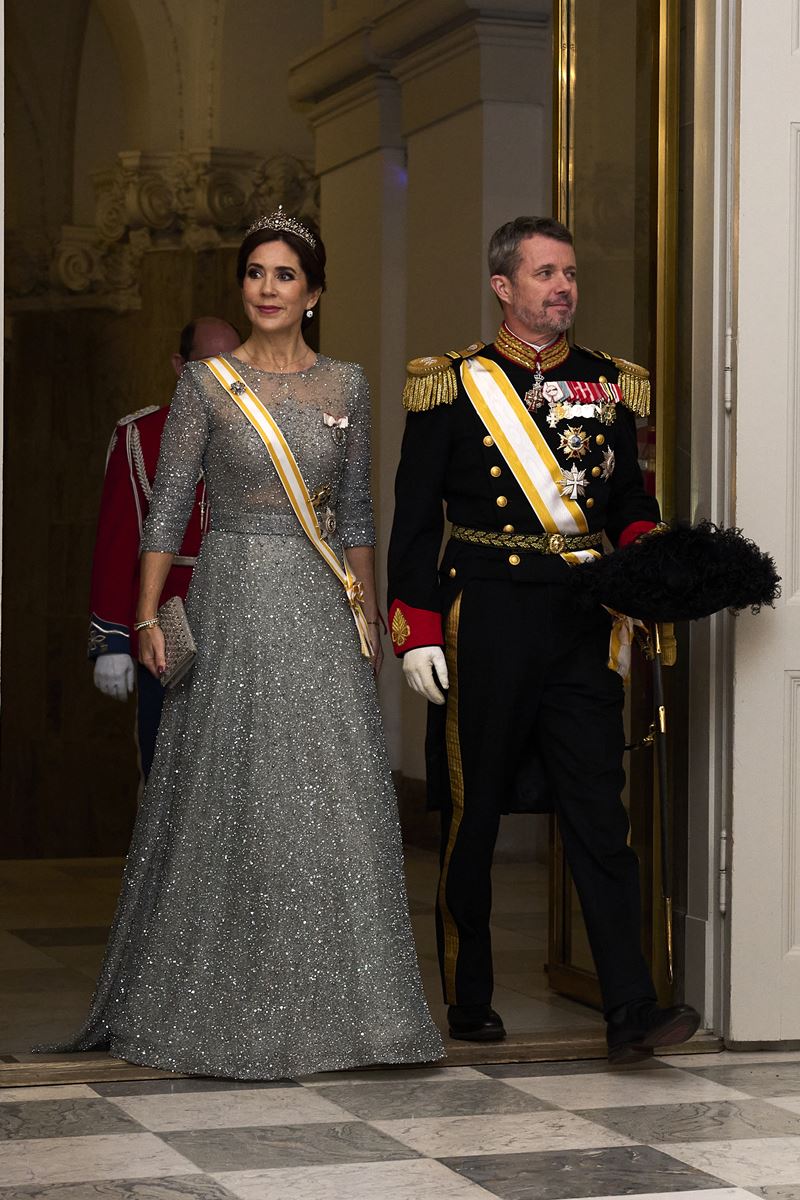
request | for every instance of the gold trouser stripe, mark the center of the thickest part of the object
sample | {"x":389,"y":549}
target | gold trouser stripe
{"x":457,"y":798}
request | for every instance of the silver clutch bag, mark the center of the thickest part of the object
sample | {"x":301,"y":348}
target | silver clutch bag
{"x":179,"y":645}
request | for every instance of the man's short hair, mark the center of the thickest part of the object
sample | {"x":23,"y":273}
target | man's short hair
{"x":504,"y":252}
{"x":187,"y":341}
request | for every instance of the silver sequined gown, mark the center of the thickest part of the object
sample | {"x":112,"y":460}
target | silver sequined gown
{"x":262,"y":930}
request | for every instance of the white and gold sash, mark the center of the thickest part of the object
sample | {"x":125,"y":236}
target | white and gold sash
{"x":537,"y":471}
{"x":289,"y":474}
{"x":525,"y":450}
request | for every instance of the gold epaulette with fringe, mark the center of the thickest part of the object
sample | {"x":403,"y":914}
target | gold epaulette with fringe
{"x":432,"y":380}
{"x":633,"y":382}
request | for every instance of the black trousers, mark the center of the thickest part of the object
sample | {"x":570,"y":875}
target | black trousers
{"x":527,"y":667}
{"x":149,"y":702}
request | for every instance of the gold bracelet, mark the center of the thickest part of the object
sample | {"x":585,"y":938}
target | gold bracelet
{"x":148,"y":624}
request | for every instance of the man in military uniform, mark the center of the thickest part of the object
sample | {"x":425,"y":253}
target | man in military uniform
{"x":531,"y":443}
{"x":124,"y":505}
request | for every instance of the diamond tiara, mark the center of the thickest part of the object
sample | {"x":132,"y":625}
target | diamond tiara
{"x":282,"y":223}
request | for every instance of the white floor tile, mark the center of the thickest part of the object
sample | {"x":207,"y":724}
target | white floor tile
{"x":439,"y":1137}
{"x":414,"y":1180}
{"x":749,"y":1162}
{"x":83,"y":1159}
{"x":790,"y":1103}
{"x":64,"y":1091}
{"x":730,"y":1058}
{"x":625,"y":1089}
{"x":230,"y":1110}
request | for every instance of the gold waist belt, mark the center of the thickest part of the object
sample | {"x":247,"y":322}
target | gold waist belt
{"x":544,"y":543}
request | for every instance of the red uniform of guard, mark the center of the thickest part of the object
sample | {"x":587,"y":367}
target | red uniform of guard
{"x":125,"y":503}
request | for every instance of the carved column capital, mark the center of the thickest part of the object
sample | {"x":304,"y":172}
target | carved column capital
{"x":198,"y":200}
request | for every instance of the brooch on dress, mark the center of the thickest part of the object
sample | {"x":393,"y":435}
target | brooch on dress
{"x":338,"y":427}
{"x":326,"y":519}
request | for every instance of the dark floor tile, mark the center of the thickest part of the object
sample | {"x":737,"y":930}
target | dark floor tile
{"x":176,"y":1087}
{"x":62,"y":1118}
{"x":78,"y":935}
{"x":697,"y":1121}
{"x":285,"y":1146}
{"x":622,"y":1170}
{"x":758,"y":1079}
{"x":181,"y":1187}
{"x":579,"y":1067}
{"x":785,"y":1191}
{"x":458,"y":1098}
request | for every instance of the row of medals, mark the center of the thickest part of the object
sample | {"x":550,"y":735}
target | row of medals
{"x":574,"y":441}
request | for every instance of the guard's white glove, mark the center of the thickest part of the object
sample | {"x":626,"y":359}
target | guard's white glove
{"x":425,"y":670}
{"x":113,"y":675}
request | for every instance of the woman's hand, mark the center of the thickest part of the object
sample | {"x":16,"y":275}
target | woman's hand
{"x":151,"y":650}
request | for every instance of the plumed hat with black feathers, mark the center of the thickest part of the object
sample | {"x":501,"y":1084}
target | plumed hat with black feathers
{"x":681,"y":574}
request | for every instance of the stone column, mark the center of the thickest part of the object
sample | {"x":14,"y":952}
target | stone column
{"x":477,"y":129}
{"x":476,"y":119}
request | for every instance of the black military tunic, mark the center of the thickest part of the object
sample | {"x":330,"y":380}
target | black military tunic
{"x":529,"y":673}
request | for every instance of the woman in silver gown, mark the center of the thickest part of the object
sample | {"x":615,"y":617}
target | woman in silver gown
{"x":262,"y":930}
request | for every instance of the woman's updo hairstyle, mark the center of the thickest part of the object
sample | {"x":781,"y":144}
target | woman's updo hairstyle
{"x":312,"y":258}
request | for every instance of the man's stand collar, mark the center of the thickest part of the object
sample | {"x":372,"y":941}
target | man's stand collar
{"x":526,"y":354}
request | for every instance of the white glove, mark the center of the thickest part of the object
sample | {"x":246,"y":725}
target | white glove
{"x":113,"y":675}
{"x":425,"y":670}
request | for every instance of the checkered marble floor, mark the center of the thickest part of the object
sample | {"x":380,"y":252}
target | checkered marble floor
{"x":727,"y":1125}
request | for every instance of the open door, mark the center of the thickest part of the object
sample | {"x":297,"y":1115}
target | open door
{"x":616,"y":188}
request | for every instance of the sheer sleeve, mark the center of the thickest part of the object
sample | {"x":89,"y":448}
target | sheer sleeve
{"x":354,"y":515}
{"x":180,"y":462}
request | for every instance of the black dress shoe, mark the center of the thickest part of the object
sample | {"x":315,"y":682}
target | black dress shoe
{"x":634,"y":1030}
{"x":475,"y":1023}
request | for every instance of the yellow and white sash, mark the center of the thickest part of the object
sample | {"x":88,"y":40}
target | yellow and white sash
{"x":525,"y":450}
{"x":289,"y":474}
{"x":538,"y":472}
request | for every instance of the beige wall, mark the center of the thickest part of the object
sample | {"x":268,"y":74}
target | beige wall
{"x":765,"y":814}
{"x":101,"y":116}
{"x":254,"y":66}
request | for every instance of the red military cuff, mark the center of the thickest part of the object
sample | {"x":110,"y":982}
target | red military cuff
{"x":631,"y":532}
{"x":414,"y":627}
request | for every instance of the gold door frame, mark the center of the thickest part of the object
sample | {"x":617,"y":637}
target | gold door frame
{"x":564,"y":976}
{"x":666,"y":207}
